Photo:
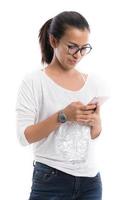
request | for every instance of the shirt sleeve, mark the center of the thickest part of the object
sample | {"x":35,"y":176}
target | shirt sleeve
{"x":26,"y":110}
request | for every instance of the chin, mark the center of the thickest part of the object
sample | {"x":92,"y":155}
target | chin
{"x":70,"y":66}
{"x":67,"y":67}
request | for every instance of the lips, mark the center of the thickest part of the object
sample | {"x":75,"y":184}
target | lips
{"x":73,"y":61}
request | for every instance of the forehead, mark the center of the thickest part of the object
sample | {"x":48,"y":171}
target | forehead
{"x":76,"y":35}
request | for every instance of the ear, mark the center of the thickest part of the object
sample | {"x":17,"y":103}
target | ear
{"x":53,"y":41}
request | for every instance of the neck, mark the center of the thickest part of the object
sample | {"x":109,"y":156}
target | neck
{"x":56,"y":67}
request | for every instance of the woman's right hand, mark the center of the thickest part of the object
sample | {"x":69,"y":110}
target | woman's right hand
{"x":77,"y":111}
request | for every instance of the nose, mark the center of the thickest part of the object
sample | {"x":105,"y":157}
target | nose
{"x":77,"y":55}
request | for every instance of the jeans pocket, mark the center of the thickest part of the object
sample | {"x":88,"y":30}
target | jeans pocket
{"x":43,"y":174}
{"x":96,"y":179}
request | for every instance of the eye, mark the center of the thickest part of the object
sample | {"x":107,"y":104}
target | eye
{"x":85,"y":50}
{"x":72,"y":47}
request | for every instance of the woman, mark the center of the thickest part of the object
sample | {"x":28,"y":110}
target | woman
{"x":55,"y":115}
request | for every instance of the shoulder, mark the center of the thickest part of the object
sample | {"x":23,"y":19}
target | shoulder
{"x":30,"y":82}
{"x":32,"y":78}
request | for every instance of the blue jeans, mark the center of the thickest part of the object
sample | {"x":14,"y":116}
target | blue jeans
{"x":51,"y":184}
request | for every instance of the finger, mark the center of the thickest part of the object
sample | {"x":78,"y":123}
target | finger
{"x":86,"y":112}
{"x":82,"y":107}
{"x":91,"y":121}
{"x":89,"y":112}
{"x":85,"y":118}
{"x":88,"y":107}
{"x":91,"y":106}
{"x":97,"y":110}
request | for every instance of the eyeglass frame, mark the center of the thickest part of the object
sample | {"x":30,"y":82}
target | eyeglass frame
{"x":80,"y":49}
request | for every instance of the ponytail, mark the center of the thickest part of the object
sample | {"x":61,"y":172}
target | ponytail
{"x":46,"y":49}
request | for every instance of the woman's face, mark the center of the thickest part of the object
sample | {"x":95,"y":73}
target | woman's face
{"x":72,"y":40}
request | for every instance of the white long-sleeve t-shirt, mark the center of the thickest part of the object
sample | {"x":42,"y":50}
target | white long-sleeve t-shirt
{"x":69,"y":147}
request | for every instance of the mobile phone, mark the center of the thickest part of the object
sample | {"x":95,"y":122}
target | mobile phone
{"x":99,"y":100}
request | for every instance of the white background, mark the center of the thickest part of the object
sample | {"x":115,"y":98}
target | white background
{"x":112,"y":33}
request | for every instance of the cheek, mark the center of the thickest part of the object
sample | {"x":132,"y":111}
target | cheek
{"x":61,"y":55}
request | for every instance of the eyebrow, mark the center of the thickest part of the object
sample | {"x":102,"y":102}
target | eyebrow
{"x":77,"y":44}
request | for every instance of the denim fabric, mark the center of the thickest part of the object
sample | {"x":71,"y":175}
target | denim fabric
{"x":51,"y":184}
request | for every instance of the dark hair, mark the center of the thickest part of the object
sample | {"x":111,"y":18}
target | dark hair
{"x":57,"y":27}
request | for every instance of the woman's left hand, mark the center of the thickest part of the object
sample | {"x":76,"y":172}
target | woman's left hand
{"x":94,"y":121}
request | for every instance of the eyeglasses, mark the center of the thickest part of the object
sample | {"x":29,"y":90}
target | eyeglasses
{"x":73,"y":49}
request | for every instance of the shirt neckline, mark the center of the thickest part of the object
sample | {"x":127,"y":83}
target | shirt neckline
{"x":59,"y":86}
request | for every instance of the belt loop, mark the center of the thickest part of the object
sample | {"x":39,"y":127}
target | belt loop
{"x":34,"y":162}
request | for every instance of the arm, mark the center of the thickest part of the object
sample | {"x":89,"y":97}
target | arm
{"x":95,"y":132}
{"x":95,"y":123}
{"x":28,"y":128}
{"x":42,"y":129}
